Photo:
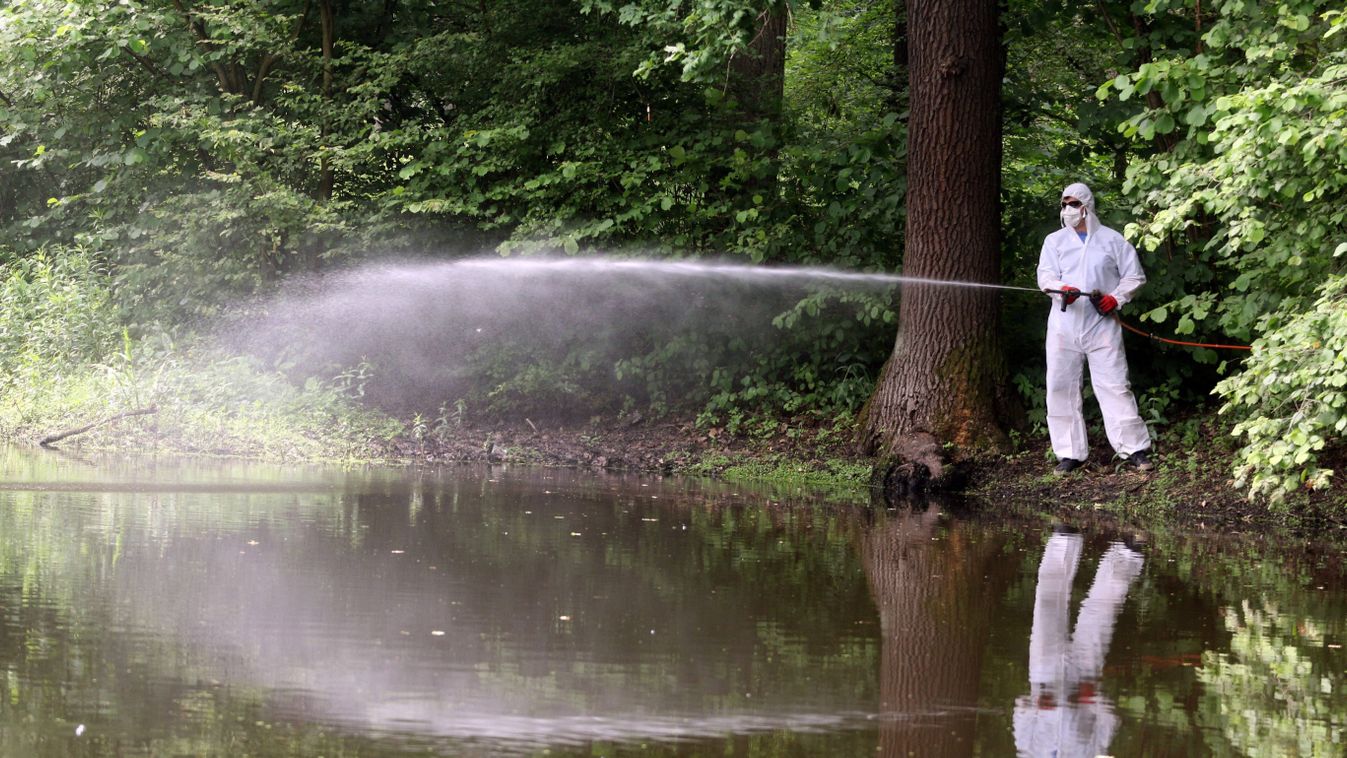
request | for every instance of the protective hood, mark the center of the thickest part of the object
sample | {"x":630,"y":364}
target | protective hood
{"x":1083,"y":194}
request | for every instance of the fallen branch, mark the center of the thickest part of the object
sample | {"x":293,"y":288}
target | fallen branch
{"x":51,"y":439}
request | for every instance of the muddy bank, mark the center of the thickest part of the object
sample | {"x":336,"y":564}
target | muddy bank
{"x":639,"y":445}
{"x":1190,"y":488}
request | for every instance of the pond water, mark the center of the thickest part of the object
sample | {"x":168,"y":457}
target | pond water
{"x":159,"y":607}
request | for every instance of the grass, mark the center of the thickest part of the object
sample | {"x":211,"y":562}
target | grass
{"x":782,"y":470}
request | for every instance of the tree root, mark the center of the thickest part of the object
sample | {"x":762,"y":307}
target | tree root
{"x":916,"y":466}
{"x":52,"y":439}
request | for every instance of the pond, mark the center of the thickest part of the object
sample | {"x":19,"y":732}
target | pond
{"x":188,"y":607}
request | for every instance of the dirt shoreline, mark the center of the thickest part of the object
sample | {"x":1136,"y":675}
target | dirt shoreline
{"x":1189,"y":489}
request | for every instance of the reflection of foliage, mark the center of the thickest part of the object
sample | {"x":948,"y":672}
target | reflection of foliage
{"x":1275,"y":692}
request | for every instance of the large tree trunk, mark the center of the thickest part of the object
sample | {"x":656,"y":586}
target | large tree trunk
{"x":758,"y":77}
{"x":329,"y":23}
{"x":945,"y":382}
{"x":756,"y":81}
{"x":935,"y":593}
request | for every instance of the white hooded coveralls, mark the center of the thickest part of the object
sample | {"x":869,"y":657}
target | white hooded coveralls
{"x":1108,"y":263}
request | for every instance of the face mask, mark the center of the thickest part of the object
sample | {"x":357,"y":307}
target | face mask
{"x":1072,"y":216}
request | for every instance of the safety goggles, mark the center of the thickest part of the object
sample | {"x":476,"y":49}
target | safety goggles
{"x":1072,"y":203}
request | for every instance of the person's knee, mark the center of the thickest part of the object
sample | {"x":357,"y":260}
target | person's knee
{"x":1113,"y":389}
{"x":1063,"y":388}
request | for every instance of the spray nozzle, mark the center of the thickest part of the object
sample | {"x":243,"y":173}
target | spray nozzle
{"x":1070,"y":296}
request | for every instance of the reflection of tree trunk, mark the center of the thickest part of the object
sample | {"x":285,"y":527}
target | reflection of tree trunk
{"x":935,"y":599}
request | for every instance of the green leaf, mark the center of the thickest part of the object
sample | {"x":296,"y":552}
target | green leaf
{"x":134,"y":156}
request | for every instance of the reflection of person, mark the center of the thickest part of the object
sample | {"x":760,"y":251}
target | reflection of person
{"x":1086,"y":256}
{"x":1064,"y":713}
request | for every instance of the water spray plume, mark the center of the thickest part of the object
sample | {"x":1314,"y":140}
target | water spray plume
{"x":802,"y":275}
{"x":436,"y":331}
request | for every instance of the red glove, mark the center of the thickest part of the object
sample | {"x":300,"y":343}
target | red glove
{"x":1075,"y":293}
{"x":1106,"y":305}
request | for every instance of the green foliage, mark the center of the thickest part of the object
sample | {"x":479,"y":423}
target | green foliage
{"x":823,"y":363}
{"x":54,"y":313}
{"x":1291,"y":399}
{"x":66,"y":362}
{"x":137,"y":140}
{"x":1254,"y":185}
{"x":698,"y":37}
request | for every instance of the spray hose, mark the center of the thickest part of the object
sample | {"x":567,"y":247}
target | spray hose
{"x":1157,"y":338}
{"x":1094,"y":298}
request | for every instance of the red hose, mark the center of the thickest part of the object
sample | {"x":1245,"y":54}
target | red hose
{"x":1135,"y":330}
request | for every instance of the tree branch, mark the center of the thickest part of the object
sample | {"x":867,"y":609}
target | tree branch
{"x":263,"y":69}
{"x":270,"y":59}
{"x":1199,"y":26}
{"x":203,"y":40}
{"x":51,"y":439}
{"x":147,"y":64}
{"x":1112,"y":26}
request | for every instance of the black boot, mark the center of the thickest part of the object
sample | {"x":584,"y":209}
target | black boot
{"x":1066,"y":466}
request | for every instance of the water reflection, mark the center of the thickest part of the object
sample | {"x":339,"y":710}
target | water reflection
{"x":203,"y":609}
{"x":1066,"y":713}
{"x":1281,"y":688}
{"x":473,"y":612}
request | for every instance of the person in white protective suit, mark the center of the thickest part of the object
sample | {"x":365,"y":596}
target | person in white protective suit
{"x":1085,"y":256}
{"x":1065,"y":714}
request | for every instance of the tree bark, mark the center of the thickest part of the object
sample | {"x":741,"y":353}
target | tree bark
{"x":935,"y":593}
{"x":329,"y":25}
{"x":758,"y":77}
{"x":945,"y":381}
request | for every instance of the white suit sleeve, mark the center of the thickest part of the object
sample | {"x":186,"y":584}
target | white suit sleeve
{"x":1049,"y":274}
{"x":1131,"y":277}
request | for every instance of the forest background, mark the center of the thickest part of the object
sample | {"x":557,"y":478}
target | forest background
{"x":162,"y":164}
